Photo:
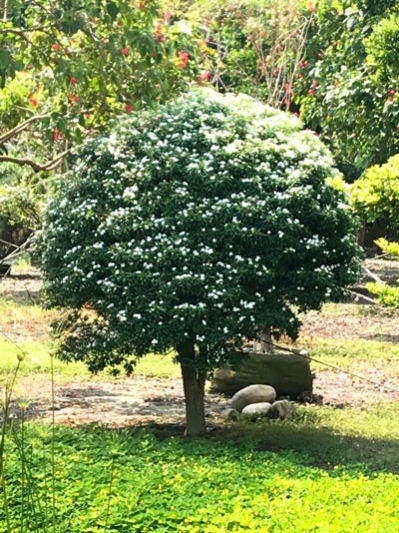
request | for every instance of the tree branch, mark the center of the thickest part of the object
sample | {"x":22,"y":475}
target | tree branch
{"x":15,"y":253}
{"x":8,"y":243}
{"x":21,"y":127}
{"x":373,"y":276}
{"x":28,"y":30}
{"x":358,"y":296}
{"x":47,"y":167}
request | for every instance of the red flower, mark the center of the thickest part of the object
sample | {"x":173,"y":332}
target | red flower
{"x":56,"y":134}
{"x":287,"y":86}
{"x":184,"y":58}
{"x":311,"y":92}
{"x":86,"y":115}
{"x":34,"y":102}
{"x":392,"y":91}
{"x":128,"y":108}
{"x":75,"y":99}
{"x":315,"y":84}
{"x":296,"y":114}
{"x":55,"y":46}
{"x":125,"y":51}
{"x":205,"y":75}
{"x":158,"y":35}
{"x":106,"y":41}
{"x":72,"y":79}
{"x":183,"y":55}
{"x":311,"y":7}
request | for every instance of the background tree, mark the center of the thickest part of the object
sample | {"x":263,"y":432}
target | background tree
{"x":80,"y":63}
{"x":66,"y":68}
{"x":250,"y":47}
{"x":347,"y":86}
{"x":193,"y":227}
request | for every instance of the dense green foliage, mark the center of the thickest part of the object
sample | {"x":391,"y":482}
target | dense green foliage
{"x":332,"y":61}
{"x":375,"y":195}
{"x":347,"y":87}
{"x":130,"y":481}
{"x":86,"y":61}
{"x":198,"y":223}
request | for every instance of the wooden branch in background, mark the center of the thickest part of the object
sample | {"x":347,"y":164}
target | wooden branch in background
{"x":21,"y":127}
{"x":46,"y":167}
{"x":16,"y":253}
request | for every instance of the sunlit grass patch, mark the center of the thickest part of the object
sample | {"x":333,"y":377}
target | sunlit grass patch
{"x":161,"y":366}
{"x":36,"y":359}
{"x":355,"y":354}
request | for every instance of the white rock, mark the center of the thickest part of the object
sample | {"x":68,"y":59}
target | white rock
{"x":255,"y":410}
{"x":253,"y":394}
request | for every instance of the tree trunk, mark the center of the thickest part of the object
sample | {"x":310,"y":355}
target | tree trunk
{"x":194,"y":384}
{"x":193,"y":369}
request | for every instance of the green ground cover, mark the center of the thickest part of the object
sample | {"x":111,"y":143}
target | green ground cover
{"x":107,"y":481}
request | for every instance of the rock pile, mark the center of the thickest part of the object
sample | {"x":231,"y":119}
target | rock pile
{"x":257,"y":401}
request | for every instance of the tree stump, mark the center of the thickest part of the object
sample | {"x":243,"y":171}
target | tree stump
{"x":288,"y":373}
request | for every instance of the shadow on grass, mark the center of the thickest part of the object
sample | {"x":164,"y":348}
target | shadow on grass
{"x":322,"y":447}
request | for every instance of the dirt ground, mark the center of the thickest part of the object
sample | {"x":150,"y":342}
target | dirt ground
{"x":141,"y":400}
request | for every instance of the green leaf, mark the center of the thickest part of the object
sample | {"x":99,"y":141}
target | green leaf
{"x":112,"y":9}
{"x":4,"y":58}
{"x":70,"y":27}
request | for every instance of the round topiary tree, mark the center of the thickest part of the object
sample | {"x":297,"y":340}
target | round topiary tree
{"x":193,"y":227}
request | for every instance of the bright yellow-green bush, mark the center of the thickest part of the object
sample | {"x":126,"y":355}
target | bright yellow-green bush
{"x":376,"y":194}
